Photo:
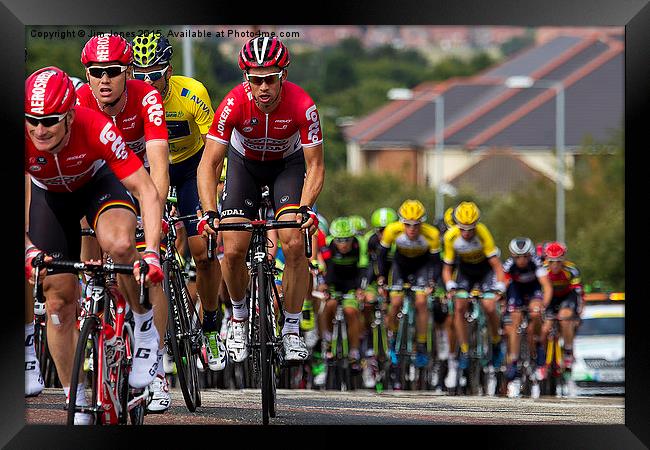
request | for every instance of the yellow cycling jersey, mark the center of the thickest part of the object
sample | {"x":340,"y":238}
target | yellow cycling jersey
{"x":427,"y":240}
{"x":474,"y":251}
{"x":189,"y":114}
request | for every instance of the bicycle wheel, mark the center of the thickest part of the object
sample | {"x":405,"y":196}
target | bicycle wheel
{"x":89,"y":332}
{"x":268,"y":388}
{"x":180,"y":331}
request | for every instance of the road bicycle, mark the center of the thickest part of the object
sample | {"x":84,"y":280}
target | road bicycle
{"x":339,"y":372}
{"x":184,"y":337}
{"x":265,"y":343}
{"x":107,"y":336}
{"x":379,"y":343}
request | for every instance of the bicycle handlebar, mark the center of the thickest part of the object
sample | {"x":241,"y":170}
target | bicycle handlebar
{"x":265,"y":225}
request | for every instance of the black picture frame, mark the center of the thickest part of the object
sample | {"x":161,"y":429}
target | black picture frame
{"x":634,"y":15}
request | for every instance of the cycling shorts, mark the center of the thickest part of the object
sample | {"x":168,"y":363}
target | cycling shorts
{"x":557,"y":303}
{"x":520,"y":294}
{"x":479,"y":274}
{"x":420,"y":272}
{"x":54,"y":216}
{"x":349,"y":297}
{"x":242,"y":191}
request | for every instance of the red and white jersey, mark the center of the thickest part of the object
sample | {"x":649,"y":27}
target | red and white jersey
{"x":93,"y":140}
{"x":142,"y":118}
{"x":264,"y":137}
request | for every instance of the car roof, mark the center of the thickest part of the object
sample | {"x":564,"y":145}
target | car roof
{"x":603,"y":311}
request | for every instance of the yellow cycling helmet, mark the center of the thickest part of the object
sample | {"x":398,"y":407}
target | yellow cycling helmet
{"x":223,"y":171}
{"x":412,"y":211}
{"x":449,"y":217}
{"x":466,"y":215}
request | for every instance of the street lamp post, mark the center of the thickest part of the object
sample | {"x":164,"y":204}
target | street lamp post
{"x":528,"y":82}
{"x":439,"y":100}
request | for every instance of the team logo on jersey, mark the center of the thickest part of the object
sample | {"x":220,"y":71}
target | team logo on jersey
{"x":34,"y":168}
{"x":248,"y":202}
{"x":155,"y":110}
{"x":284,"y":199}
{"x":254,"y":121}
{"x":247,"y":129}
{"x":117,"y":145}
{"x":314,"y":128}
{"x":41,"y":160}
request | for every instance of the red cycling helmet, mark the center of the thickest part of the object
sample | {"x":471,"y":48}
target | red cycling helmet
{"x":555,"y":251}
{"x":49,"y":91}
{"x":264,"y":52}
{"x":107,"y":48}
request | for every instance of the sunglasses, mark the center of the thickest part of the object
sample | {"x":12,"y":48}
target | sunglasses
{"x":46,"y":121}
{"x":520,"y":256}
{"x":111,"y":71}
{"x":343,"y":240}
{"x":410,"y":224}
{"x":269,"y":78}
{"x":154,"y":75}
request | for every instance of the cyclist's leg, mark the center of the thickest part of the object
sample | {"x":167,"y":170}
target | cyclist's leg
{"x":54,"y":228}
{"x":490,"y":306}
{"x":396,"y":297}
{"x":352,"y":318}
{"x":535,"y":306}
{"x":512,"y":320}
{"x":567,"y":315}
{"x":460,"y":308}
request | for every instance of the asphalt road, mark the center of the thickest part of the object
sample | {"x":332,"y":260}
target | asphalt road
{"x":308,"y":407}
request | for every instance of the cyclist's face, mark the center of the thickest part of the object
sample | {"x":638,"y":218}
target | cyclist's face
{"x":412,"y":231}
{"x":44,"y":138}
{"x":160,"y":83}
{"x":267,"y":93}
{"x":467,"y":234}
{"x":521,"y":260}
{"x":343,"y":245}
{"x":105,"y":88}
{"x":555,"y":266}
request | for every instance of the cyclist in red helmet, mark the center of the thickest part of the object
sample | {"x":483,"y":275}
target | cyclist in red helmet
{"x":76,"y":164}
{"x":273,"y":129}
{"x":137,"y":110}
{"x":566,"y":302}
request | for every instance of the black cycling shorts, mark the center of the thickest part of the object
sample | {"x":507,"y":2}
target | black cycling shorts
{"x":242,"y":191}
{"x":557,"y":303}
{"x":182,"y":175}
{"x":54,"y":216}
{"x":480,"y":274}
{"x":418,"y":269}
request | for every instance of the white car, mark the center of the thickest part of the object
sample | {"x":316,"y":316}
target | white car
{"x":599,"y":349}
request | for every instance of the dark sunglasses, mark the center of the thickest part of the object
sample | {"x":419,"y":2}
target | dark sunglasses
{"x":154,"y":75}
{"x":111,"y":71}
{"x":343,"y":240}
{"x":269,"y":78}
{"x":46,"y":121}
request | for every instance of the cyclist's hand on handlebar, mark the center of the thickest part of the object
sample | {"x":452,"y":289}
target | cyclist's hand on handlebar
{"x":154,"y":273}
{"x":30,"y":271}
{"x":307,"y":218}
{"x":207,"y":223}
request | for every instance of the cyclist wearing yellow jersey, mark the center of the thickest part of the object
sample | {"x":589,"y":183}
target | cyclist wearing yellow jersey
{"x":188,"y":114}
{"x":417,"y":254}
{"x":469,"y":245}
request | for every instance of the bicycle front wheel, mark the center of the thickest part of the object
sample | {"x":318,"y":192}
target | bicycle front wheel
{"x":89,"y":334}
{"x":180,"y":334}
{"x":266,"y":347}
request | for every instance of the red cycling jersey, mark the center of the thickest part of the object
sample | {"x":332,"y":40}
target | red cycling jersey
{"x":93,"y":139}
{"x":565,"y":281}
{"x":266,"y":137}
{"x":142,"y":118}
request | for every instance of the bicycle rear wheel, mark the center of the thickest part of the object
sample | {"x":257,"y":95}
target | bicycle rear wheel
{"x":180,"y":334}
{"x":89,"y":333}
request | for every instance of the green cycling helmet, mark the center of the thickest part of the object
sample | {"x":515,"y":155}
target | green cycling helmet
{"x":359,"y":224}
{"x":382,"y":217}
{"x":151,"y":49}
{"x":342,"y":228}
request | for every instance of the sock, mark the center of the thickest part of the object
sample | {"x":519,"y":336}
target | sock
{"x":239,"y":310}
{"x":30,"y":351}
{"x":421,"y":338}
{"x":291,"y":323}
{"x":209,"y":320}
{"x":464,"y":348}
{"x":81,"y":395}
{"x":143,"y":323}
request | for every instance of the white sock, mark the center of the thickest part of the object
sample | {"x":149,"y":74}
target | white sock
{"x":239,"y":310}
{"x":30,"y":351}
{"x":81,"y":394}
{"x":144,"y":323}
{"x":161,"y":367}
{"x":327,"y":336}
{"x":291,"y":323}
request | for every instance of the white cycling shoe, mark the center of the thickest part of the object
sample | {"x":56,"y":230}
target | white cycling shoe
{"x":145,"y":359}
{"x":237,"y":341}
{"x":450,"y":379}
{"x":160,"y":400}
{"x":295,"y":348}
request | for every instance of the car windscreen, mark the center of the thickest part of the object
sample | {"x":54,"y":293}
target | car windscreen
{"x":602,"y":326}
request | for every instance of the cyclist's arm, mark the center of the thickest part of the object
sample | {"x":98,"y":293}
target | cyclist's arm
{"x":547,"y":290}
{"x":315,"y":175}
{"x":158,"y":157}
{"x":140,"y":184}
{"x":446,"y":273}
{"x":435,"y":265}
{"x":495,"y":262}
{"x":382,"y":261}
{"x":207,"y":178}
